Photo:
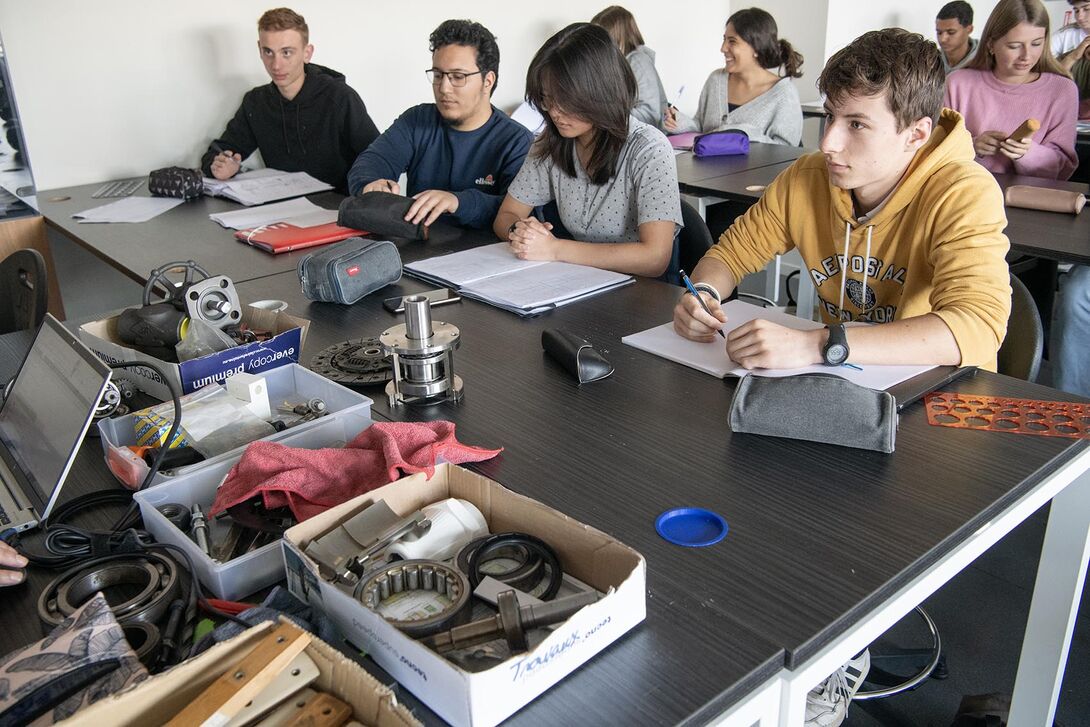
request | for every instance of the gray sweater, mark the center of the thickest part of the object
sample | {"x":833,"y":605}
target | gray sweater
{"x":651,"y":104}
{"x":773,"y":117}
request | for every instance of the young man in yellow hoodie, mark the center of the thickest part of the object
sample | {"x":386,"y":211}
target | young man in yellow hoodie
{"x":895,"y":221}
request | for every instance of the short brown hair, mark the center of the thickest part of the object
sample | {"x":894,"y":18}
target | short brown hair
{"x":906,"y":66}
{"x":284,"y":19}
{"x":1006,"y":15}
{"x":621,"y":27}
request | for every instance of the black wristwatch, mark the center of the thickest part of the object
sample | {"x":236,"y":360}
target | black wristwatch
{"x":835,"y":351}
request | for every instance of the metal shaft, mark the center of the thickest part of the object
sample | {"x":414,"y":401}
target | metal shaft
{"x":417,"y":318}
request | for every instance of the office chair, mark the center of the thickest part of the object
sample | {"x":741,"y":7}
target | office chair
{"x":1020,"y":354}
{"x":694,"y":239}
{"x":23,"y":290}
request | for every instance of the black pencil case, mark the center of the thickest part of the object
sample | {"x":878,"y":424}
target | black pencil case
{"x":578,"y":357}
{"x":349,"y":270}
{"x":381,"y":214}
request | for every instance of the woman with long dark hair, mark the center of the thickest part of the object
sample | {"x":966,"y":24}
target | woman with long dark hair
{"x":1014,"y":77}
{"x":651,"y":101}
{"x":613,"y":178}
{"x":747,"y":94}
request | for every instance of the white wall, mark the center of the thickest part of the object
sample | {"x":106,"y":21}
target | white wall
{"x":803,"y":25}
{"x":115,"y":88}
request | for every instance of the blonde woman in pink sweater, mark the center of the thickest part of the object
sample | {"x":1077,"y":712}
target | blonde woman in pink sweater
{"x":1013,"y":78}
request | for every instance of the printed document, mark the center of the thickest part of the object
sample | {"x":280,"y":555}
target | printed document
{"x":130,"y":209}
{"x":264,"y":185}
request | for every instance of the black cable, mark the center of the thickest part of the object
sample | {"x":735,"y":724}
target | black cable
{"x":787,"y":287}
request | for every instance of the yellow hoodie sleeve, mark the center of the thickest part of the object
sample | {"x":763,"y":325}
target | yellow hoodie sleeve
{"x":760,"y":234}
{"x":971,"y":280}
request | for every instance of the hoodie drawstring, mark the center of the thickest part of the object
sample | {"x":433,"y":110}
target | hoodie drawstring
{"x":284,"y":125}
{"x":846,"y":264}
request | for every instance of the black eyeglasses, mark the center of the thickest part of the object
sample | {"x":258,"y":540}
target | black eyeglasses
{"x":457,"y":78}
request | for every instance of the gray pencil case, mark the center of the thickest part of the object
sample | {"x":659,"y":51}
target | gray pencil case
{"x":816,"y":408}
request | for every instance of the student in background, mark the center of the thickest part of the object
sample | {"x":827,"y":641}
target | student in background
{"x":895,"y":223}
{"x":1071,"y":46}
{"x":613,"y":178}
{"x":746,"y":94}
{"x":459,"y":153}
{"x":1012,"y":78}
{"x":651,"y":101}
{"x":953,"y":25}
{"x":307,"y":120}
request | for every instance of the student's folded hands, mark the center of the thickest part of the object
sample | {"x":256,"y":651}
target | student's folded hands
{"x":532,"y":239}
{"x":429,"y":205}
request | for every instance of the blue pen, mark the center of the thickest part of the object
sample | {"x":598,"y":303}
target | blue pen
{"x":689,"y":285}
{"x":852,"y":366}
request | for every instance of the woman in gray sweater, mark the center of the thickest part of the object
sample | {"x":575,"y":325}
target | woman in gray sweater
{"x":651,"y":101}
{"x":746,"y":94}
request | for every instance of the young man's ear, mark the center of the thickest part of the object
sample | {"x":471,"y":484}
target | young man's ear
{"x":969,"y":28}
{"x":919,"y":133}
{"x":489,"y":81}
{"x":307,"y":53}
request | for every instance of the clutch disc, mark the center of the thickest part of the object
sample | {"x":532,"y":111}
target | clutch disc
{"x":358,"y":362}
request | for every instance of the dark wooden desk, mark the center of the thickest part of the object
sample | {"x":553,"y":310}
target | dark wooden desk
{"x":692,"y":169}
{"x":183,"y":233}
{"x":1055,"y":236}
{"x":746,"y":186}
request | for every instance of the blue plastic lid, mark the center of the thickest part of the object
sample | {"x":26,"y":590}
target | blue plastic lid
{"x":693,"y":527}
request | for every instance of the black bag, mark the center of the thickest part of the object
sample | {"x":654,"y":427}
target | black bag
{"x":176,"y":182}
{"x":382,"y":214}
{"x":349,"y":270}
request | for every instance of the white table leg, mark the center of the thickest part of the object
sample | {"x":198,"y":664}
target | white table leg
{"x":1056,"y":595}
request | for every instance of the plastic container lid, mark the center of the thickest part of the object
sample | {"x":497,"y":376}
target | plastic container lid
{"x":693,"y":527}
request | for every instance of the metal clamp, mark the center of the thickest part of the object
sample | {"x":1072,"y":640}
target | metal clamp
{"x":416,"y":575}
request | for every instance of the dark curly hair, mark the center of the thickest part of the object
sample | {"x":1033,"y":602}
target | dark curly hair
{"x":475,"y":35}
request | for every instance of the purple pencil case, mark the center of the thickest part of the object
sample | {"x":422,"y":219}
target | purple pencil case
{"x":721,"y":143}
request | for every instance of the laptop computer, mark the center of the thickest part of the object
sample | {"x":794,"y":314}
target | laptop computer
{"x":46,"y":413}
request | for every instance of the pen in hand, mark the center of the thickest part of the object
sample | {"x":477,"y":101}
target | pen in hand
{"x":689,"y":285}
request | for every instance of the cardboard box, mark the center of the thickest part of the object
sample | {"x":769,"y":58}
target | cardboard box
{"x":154,"y":701}
{"x":483,"y":698}
{"x":289,"y":336}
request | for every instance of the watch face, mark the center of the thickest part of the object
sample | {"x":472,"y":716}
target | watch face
{"x":836,"y":354}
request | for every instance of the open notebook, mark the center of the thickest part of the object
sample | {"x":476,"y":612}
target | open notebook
{"x":492,"y":274}
{"x":711,"y":358}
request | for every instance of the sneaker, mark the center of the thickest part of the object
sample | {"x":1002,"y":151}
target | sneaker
{"x":827,"y":703}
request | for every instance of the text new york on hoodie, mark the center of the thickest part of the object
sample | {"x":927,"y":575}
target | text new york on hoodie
{"x":321,"y":131}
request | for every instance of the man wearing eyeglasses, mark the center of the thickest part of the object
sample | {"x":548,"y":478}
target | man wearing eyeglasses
{"x":307,"y":120}
{"x":460,"y":153}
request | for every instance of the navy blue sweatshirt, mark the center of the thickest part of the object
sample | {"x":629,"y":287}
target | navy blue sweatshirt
{"x":320,"y":131}
{"x":477,"y":166}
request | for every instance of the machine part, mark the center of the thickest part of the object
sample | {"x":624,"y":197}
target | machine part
{"x":389,"y":581}
{"x":154,"y":578}
{"x":537,"y":546}
{"x":511,"y":623}
{"x":423,"y":357}
{"x":178,"y":515}
{"x":357,"y":362}
{"x":144,"y":640}
{"x":344,"y":553}
{"x":112,"y":401}
{"x":174,"y":289}
{"x":453,"y":523}
{"x":214,"y":301}
{"x":168,"y":653}
{"x":199,"y":529}
{"x":160,"y":325}
{"x":510,"y":563}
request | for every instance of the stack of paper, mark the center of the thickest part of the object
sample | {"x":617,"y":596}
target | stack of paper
{"x":492,"y":274}
{"x":264,"y":185}
{"x":711,"y":358}
{"x":130,"y":209}
{"x":299,"y":212}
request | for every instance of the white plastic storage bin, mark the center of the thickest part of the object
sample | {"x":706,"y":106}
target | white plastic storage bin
{"x":290,"y":382}
{"x":263,"y":567}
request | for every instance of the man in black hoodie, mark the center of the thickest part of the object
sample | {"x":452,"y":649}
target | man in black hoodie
{"x":307,"y":120}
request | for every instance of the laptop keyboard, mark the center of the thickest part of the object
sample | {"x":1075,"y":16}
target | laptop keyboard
{"x":124,"y":188}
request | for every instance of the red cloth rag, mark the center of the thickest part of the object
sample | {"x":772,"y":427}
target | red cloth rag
{"x":310,"y":481}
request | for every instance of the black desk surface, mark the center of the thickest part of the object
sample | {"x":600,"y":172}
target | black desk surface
{"x":746,"y":186}
{"x":692,"y":169}
{"x":183,"y":233}
{"x":687,"y":661}
{"x":1056,"y":236}
{"x":819,"y":534}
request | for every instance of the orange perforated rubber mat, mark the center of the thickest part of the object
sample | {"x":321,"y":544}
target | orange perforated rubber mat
{"x":1017,"y":416}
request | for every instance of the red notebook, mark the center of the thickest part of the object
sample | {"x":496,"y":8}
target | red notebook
{"x":285,"y":237}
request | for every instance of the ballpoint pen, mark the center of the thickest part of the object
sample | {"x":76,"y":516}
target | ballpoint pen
{"x":689,"y":285}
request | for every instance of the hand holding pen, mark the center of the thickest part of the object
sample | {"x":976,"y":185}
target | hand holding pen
{"x":226,"y":162}
{"x":696,"y":321}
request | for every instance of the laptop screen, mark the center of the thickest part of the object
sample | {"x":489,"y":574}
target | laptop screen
{"x":49,"y":407}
